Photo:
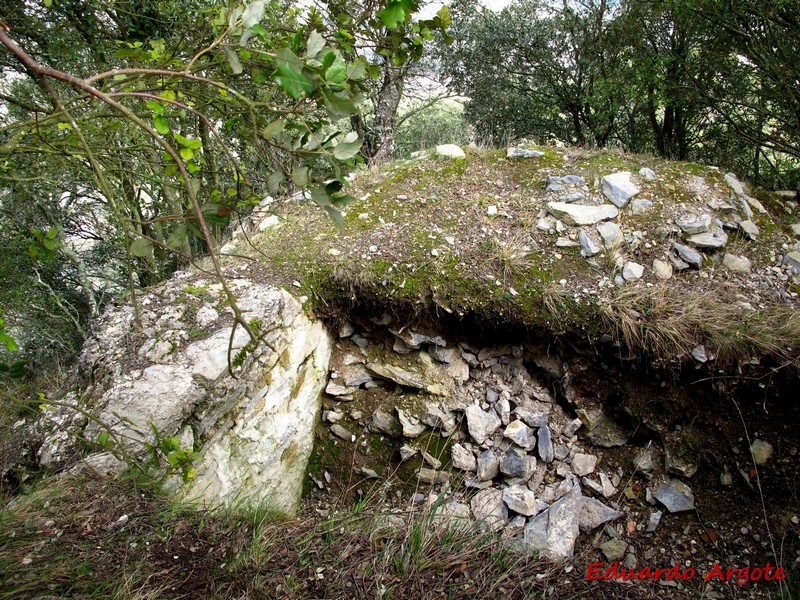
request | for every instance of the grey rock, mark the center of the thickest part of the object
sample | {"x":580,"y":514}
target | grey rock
{"x":795,"y":227}
{"x":334,"y":389}
{"x":554,"y":531}
{"x":572,"y":197}
{"x":793,"y":260}
{"x":522,"y":153}
{"x":489,"y":509}
{"x":592,"y":485}
{"x":709,"y":239}
{"x":545,"y":444}
{"x":677,"y":263}
{"x":756,"y":205}
{"x":632,"y":271}
{"x":614,"y":549}
{"x":532,"y":417}
{"x":646,"y":173}
{"x":516,"y":463}
{"x":608,"y":487}
{"x":360,"y":340}
{"x":488,"y":466}
{"x":431,"y":460}
{"x":679,"y":457}
{"x":432,"y":476}
{"x":521,"y":500}
{"x":594,"y":513}
{"x":341,"y":432}
{"x":608,"y":434}
{"x":583,"y":464}
{"x":699,"y":354}
{"x":611,"y":233}
{"x":676,"y":496}
{"x":449,"y":151}
{"x":572,"y":427}
{"x":619,"y":188}
{"x":436,"y":418}
{"x":655,"y":519}
{"x":519,"y":433}
{"x":749,"y":229}
{"x":639,"y":206}
{"x":692,"y":257}
{"x":726,"y":478}
{"x":736,"y":263}
{"x":414,"y":340}
{"x":462,"y":458}
{"x":644,"y":460}
{"x":384,"y":421}
{"x":581,"y":214}
{"x":411,"y":425}
{"x":355,"y":375}
{"x":481,"y":424}
{"x":662,"y":270}
{"x":734,"y":184}
{"x":407,"y":452}
{"x":693,"y":224}
{"x":591,"y":418}
{"x":588,"y":246}
{"x":762,"y":451}
{"x":346,"y":329}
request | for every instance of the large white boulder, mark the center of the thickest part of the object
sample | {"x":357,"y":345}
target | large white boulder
{"x":253,"y":429}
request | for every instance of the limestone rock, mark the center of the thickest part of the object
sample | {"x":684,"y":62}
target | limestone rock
{"x":545,"y":444}
{"x":594,"y":513}
{"x":520,"y":499}
{"x":662,"y":270}
{"x":488,"y":466}
{"x":384,"y":421}
{"x":693,"y":224}
{"x":481,"y":424}
{"x":583,"y":464}
{"x":762,"y":451}
{"x":489,"y":509}
{"x":676,"y":496}
{"x":709,"y":239}
{"x":522,"y":153}
{"x":411,"y":425}
{"x":692,"y":257}
{"x":581,"y":214}
{"x":611,"y":233}
{"x":520,"y":434}
{"x":449,"y":151}
{"x":648,"y":174}
{"x":632,"y":271}
{"x":462,"y":458}
{"x":619,"y":188}
{"x":554,"y":531}
{"x":516,"y":463}
{"x":749,"y":229}
{"x":588,"y":246}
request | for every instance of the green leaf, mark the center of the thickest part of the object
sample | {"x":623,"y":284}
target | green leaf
{"x":274,"y":181}
{"x":187,"y":153}
{"x":193,"y":168}
{"x":336,"y":217}
{"x":253,"y":14}
{"x":233,"y":60}
{"x":337,"y":72}
{"x":315,"y":44}
{"x":356,"y":69}
{"x":155,"y":106}
{"x":393,"y":14}
{"x":177,"y":239}
{"x":102,"y":439}
{"x":338,"y":106}
{"x":63,"y":125}
{"x":273,"y":129}
{"x":348,"y":147}
{"x":300,"y":176}
{"x":8,"y":342}
{"x":142,"y":247}
{"x":162,"y":125}
{"x":48,"y":3}
{"x":293,"y":82}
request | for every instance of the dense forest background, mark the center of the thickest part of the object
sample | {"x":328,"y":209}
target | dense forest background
{"x":135,"y":134}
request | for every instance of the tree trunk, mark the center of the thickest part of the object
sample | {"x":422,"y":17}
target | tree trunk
{"x":382,"y":144}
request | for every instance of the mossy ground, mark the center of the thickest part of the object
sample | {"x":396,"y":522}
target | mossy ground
{"x":420,"y":240}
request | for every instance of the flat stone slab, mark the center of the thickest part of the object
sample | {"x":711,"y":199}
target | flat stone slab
{"x":449,"y":151}
{"x":522,"y":153}
{"x":619,"y":188}
{"x":709,"y":239}
{"x":582,"y":214}
{"x":676,"y":496}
